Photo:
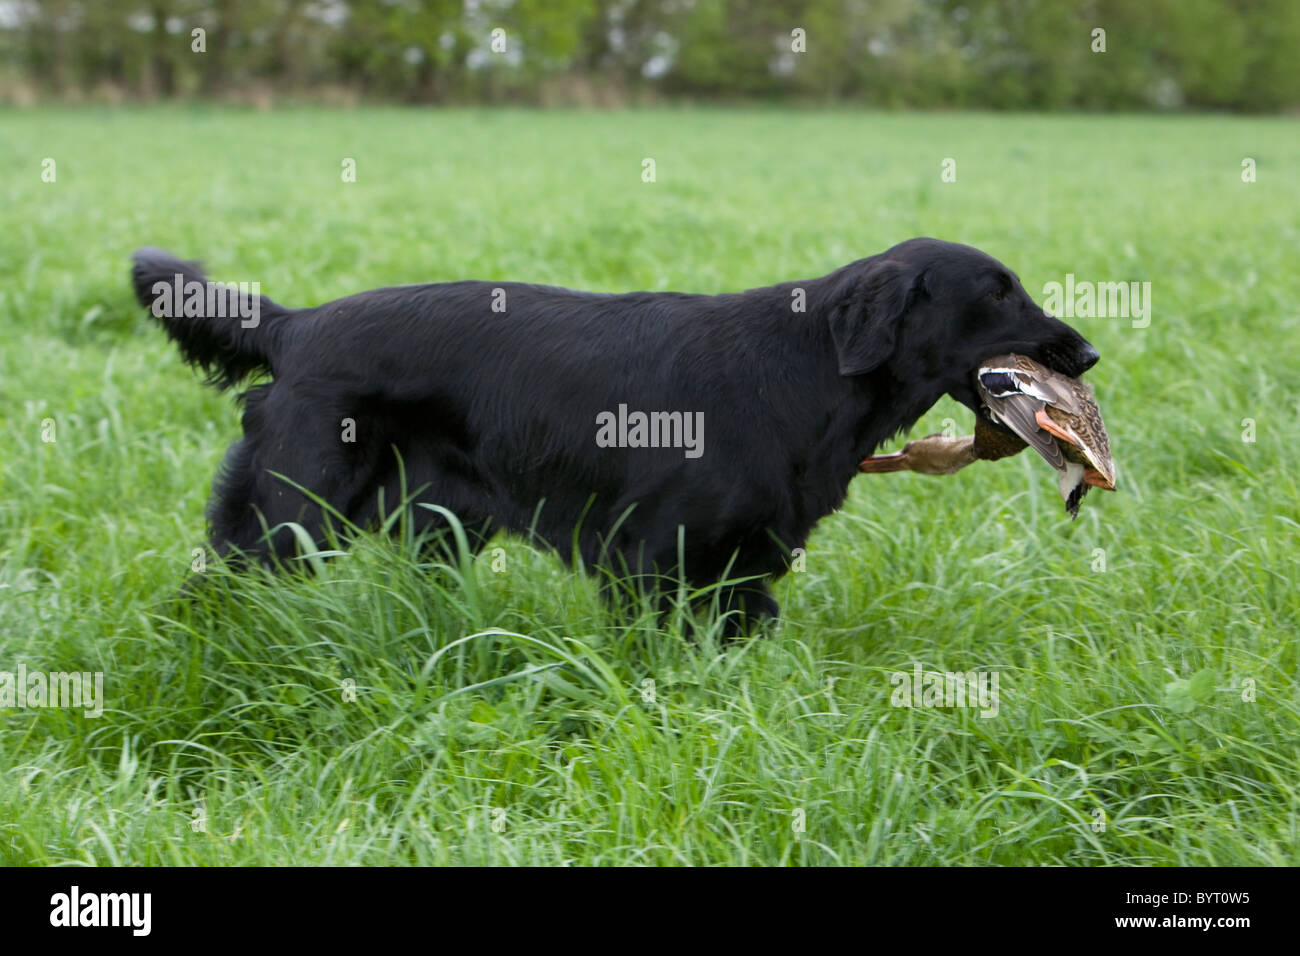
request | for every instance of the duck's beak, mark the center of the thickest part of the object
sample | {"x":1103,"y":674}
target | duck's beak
{"x":1095,"y":478}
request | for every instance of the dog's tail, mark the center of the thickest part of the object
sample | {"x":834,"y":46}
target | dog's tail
{"x":228,"y":331}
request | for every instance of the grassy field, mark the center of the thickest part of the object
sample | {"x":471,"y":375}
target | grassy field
{"x":1147,"y":654}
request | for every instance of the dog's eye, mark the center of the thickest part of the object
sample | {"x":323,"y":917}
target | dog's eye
{"x":998,"y":294}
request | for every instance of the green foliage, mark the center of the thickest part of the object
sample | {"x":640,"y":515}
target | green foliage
{"x":1151,"y":687}
{"x":1182,"y":696}
{"x":988,"y":54}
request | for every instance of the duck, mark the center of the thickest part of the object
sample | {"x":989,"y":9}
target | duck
{"x":1055,"y":415}
{"x":1023,"y":404}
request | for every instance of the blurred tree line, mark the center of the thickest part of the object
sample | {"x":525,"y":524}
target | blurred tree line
{"x":1005,"y":54}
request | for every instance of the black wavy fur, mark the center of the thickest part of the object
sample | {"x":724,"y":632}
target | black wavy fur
{"x":220,"y":345}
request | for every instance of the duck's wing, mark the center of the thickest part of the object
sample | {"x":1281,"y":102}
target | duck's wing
{"x":1024,"y":375}
{"x":1055,"y":390}
{"x":1014,"y":398}
{"x":1019,"y":413}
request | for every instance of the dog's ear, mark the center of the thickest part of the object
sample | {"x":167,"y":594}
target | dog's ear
{"x":864,"y":321}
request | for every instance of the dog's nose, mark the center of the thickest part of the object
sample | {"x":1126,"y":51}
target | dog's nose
{"x":1087,"y":357}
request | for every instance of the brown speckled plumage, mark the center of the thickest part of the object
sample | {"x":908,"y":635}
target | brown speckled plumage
{"x":1056,"y":415}
{"x":992,"y":443}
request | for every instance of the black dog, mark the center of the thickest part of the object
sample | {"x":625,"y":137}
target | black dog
{"x":601,"y":422}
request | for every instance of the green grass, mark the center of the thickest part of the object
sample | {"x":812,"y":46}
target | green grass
{"x":514,"y":697}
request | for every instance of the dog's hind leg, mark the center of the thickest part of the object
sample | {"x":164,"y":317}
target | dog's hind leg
{"x":295,"y":464}
{"x":407,"y":494}
{"x":232,"y":521}
{"x":235,"y":532}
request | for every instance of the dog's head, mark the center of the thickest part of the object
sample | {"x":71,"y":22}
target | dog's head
{"x":931,"y":311}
